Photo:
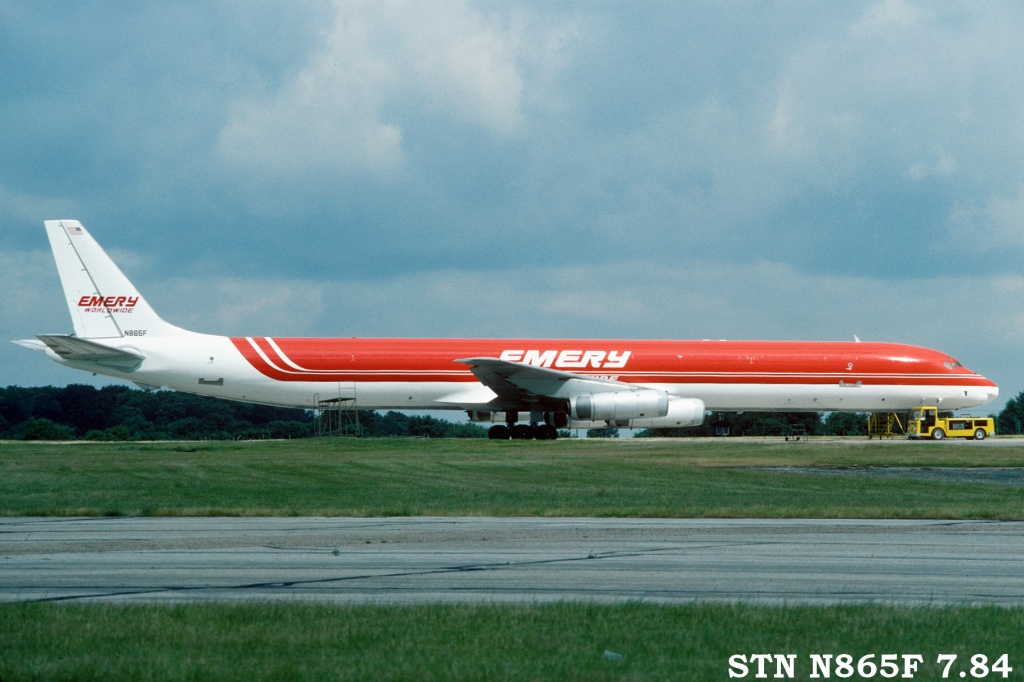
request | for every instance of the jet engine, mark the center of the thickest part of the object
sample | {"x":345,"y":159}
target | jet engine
{"x":618,"y":405}
{"x":682,"y":412}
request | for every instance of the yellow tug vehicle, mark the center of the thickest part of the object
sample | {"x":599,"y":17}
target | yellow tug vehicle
{"x":926,"y":422}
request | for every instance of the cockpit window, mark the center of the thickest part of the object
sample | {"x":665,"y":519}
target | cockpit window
{"x":952,"y":364}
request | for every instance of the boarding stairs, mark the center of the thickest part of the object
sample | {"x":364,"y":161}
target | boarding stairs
{"x":338,"y":416}
{"x":885,"y":425}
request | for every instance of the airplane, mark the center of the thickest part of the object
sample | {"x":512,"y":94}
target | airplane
{"x":527,"y":388}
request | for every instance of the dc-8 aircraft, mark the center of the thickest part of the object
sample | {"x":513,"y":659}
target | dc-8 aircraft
{"x":528,"y":388}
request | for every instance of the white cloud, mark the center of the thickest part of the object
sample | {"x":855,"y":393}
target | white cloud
{"x":33,"y":304}
{"x":19,"y":207}
{"x":897,"y":80}
{"x":237,"y":306}
{"x":343,"y":109}
{"x":327,"y":116}
{"x":888,"y":16}
{"x":1006,"y":219}
{"x":997,"y":225}
{"x":942,"y":166}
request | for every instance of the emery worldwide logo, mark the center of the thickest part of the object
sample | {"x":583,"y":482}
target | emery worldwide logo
{"x":108,"y":304}
{"x":569,"y":359}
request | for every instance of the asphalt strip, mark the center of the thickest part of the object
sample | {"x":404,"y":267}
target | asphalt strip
{"x":402,"y":560}
{"x":994,"y":475}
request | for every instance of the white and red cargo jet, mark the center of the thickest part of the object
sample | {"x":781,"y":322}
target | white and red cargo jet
{"x":546,"y":383}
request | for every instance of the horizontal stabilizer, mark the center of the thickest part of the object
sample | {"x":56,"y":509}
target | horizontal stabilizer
{"x":31,"y":344}
{"x":74,"y":349}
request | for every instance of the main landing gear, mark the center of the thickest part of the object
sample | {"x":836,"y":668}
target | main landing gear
{"x":522,"y":432}
{"x":534,"y":430}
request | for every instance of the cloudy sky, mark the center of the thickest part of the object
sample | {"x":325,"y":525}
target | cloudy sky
{"x":776,"y":170}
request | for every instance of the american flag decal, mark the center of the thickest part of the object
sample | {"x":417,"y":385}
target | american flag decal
{"x":74,"y":230}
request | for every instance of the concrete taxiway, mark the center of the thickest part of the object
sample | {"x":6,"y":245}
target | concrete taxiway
{"x":421,"y":559}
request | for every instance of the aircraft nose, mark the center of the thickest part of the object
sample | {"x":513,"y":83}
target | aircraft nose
{"x":985,"y":394}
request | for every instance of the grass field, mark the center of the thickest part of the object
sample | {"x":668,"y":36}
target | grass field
{"x":569,"y":641}
{"x":480,"y":642}
{"x":382,"y":477}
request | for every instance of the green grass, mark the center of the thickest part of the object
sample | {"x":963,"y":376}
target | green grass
{"x":380,"y":477}
{"x":683,"y":478}
{"x":478,"y":642}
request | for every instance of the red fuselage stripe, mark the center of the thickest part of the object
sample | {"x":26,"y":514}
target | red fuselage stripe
{"x":663,"y":362}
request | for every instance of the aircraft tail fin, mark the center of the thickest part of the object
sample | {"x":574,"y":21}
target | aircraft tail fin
{"x":102,"y":301}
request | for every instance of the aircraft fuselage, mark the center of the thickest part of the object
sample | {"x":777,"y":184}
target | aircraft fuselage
{"x":397,"y":373}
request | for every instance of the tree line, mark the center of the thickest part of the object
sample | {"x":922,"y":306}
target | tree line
{"x":79,"y":412}
{"x":120,"y":413}
{"x":770,"y":424}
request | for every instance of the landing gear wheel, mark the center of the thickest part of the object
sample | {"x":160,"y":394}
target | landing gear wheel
{"x":522,"y":432}
{"x":938,"y":434}
{"x":547,"y":432}
{"x":498,"y":432}
{"x":979,"y":434}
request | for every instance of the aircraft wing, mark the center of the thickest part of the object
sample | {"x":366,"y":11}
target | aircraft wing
{"x":72,"y":348}
{"x":517,"y":382}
